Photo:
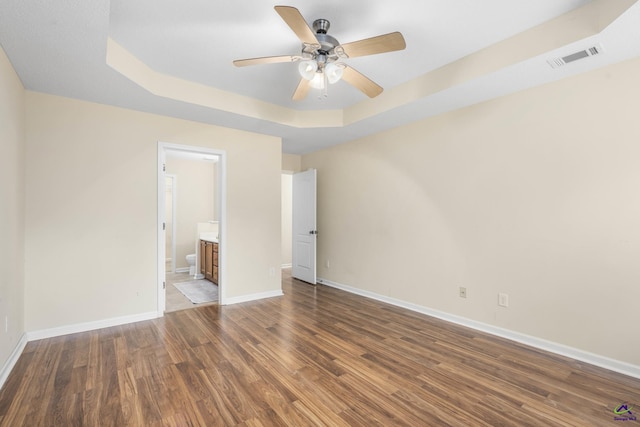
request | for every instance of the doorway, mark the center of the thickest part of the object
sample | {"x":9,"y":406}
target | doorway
{"x":198,"y":179}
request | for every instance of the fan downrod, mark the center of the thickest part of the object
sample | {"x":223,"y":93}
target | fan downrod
{"x":321,"y":26}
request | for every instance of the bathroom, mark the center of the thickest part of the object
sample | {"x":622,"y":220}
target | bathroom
{"x":192,"y":209}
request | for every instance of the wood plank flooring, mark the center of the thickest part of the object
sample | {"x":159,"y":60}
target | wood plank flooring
{"x":317,"y":356}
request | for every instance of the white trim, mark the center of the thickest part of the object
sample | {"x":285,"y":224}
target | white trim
{"x":90,"y":326}
{"x":161,"y":269}
{"x":222,"y":228}
{"x":174,"y":219}
{"x":253,"y":297}
{"x":283,"y":266}
{"x":174,"y":222}
{"x":182,"y":270}
{"x":13,"y":359}
{"x":539,"y":343}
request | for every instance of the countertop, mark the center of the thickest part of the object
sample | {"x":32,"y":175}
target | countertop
{"x":209,"y":237}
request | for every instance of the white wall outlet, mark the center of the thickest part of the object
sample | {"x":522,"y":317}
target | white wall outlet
{"x":326,"y":264}
{"x":503,"y":300}
{"x":463,"y":292}
{"x":272,"y":272}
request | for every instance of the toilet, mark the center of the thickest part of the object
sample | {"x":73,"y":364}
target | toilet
{"x":191,"y":260}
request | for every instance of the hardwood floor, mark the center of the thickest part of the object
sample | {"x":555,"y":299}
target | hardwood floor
{"x":317,"y":356}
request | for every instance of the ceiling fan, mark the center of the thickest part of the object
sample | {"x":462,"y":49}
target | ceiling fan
{"x":320,"y":61}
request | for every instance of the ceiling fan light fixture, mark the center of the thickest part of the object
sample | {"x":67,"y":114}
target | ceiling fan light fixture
{"x":307,"y":69}
{"x":333,"y":72}
{"x":317,"y":82}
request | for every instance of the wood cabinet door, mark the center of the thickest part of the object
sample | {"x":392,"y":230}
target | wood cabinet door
{"x":214,"y":278}
{"x":208,"y":263}
{"x":203,"y":260}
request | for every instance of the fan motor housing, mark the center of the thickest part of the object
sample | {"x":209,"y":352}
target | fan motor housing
{"x":327,"y":43}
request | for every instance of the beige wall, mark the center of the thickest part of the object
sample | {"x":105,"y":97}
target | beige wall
{"x":195,"y":192}
{"x":91,"y":209}
{"x":291,"y":162}
{"x":12,"y":164}
{"x":535,"y":195}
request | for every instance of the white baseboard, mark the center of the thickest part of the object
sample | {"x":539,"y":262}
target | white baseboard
{"x":89,"y":326}
{"x":252,"y":297}
{"x":539,"y":343}
{"x":182,"y":270}
{"x":287,"y":266}
{"x":13,"y":359}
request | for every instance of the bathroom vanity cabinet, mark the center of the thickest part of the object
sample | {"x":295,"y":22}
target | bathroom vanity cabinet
{"x":209,"y":260}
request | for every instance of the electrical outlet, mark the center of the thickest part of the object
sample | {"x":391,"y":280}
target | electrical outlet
{"x":326,"y":264}
{"x":503,"y":300}
{"x":463,"y":292}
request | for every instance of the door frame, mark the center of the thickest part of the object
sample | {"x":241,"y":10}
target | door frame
{"x":221,"y":190}
{"x":174,"y":222}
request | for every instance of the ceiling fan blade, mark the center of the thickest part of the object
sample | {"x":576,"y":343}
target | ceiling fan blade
{"x":361,"y":82}
{"x":296,"y":22}
{"x":371,"y":46}
{"x":301,"y":90}
{"x":265,"y":60}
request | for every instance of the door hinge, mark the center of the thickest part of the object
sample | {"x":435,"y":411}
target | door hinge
{"x":164,"y":285}
{"x":164,"y":226}
{"x":164,"y":167}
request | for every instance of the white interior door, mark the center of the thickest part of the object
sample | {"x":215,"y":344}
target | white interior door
{"x":304,"y":226}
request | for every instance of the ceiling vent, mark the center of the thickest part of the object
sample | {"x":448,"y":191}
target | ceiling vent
{"x":564,"y":60}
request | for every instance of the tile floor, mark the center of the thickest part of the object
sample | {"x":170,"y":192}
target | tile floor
{"x":174,"y":299}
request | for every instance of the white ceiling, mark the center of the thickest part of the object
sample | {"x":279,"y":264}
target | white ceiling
{"x":59,"y":47}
